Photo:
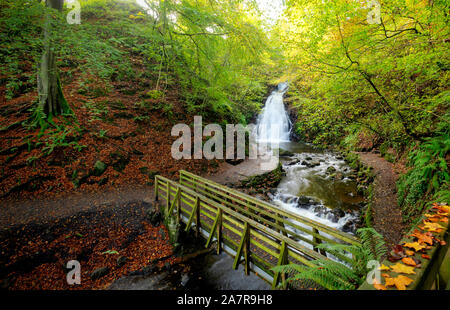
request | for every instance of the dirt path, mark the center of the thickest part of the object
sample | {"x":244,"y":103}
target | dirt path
{"x":387,"y":218}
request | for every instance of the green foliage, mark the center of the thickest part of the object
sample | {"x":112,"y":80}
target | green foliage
{"x":428,"y":175}
{"x":384,"y":80}
{"x":59,"y":137}
{"x":334,"y":275}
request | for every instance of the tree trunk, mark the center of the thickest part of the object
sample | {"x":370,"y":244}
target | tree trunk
{"x":51,"y":98}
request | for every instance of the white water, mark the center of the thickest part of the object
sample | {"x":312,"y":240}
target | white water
{"x":273,"y":123}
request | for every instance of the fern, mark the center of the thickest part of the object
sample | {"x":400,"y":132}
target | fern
{"x":335,"y":275}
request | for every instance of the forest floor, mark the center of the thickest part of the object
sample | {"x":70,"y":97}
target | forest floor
{"x":387,"y":217}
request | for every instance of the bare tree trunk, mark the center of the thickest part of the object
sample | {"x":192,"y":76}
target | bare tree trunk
{"x":51,"y":98}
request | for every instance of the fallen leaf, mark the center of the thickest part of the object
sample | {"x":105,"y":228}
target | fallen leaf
{"x":400,"y":282}
{"x":378,"y":286}
{"x":415,"y":245}
{"x":409,"y":261}
{"x":423,"y":237}
{"x":433,"y":227}
{"x":384,"y":267}
{"x":426,"y":256}
{"x":401,"y":268}
{"x":409,"y":252}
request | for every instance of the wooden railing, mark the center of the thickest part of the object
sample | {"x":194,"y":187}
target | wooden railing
{"x":288,"y":223}
{"x":251,"y":238}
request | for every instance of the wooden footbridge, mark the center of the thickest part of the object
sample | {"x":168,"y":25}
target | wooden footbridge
{"x":257,"y":234}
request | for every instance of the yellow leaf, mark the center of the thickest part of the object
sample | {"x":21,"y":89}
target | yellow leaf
{"x":400,"y":282}
{"x":401,"y":268}
{"x":433,"y":227}
{"x":383,"y":267}
{"x":414,"y":245}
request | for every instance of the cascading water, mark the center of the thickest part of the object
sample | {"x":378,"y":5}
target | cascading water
{"x":317,"y":184}
{"x":273,"y":123}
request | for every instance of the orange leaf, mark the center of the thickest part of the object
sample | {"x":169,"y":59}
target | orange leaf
{"x":426,"y":256}
{"x":409,"y":261}
{"x":409,"y":252}
{"x":378,"y":286}
{"x":400,"y":268}
{"x":400,"y":282}
{"x":423,"y":237}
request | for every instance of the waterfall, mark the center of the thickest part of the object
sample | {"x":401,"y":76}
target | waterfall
{"x":273,"y":123}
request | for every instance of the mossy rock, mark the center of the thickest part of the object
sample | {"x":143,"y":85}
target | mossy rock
{"x":99,"y":168}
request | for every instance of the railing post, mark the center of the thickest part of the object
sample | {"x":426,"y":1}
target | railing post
{"x":168,"y":195}
{"x":197,"y":219}
{"x":317,"y":241}
{"x":219,"y":232}
{"x":179,"y":208}
{"x":156,"y":188}
{"x":247,"y":252}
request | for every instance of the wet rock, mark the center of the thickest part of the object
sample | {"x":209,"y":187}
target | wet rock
{"x":121,"y":261}
{"x":330,"y":170}
{"x":99,"y":272}
{"x":332,"y":217}
{"x":294,"y":162}
{"x":314,"y":163}
{"x":338,"y":213}
{"x":320,"y":210}
{"x":350,"y":226}
{"x":308,"y":158}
